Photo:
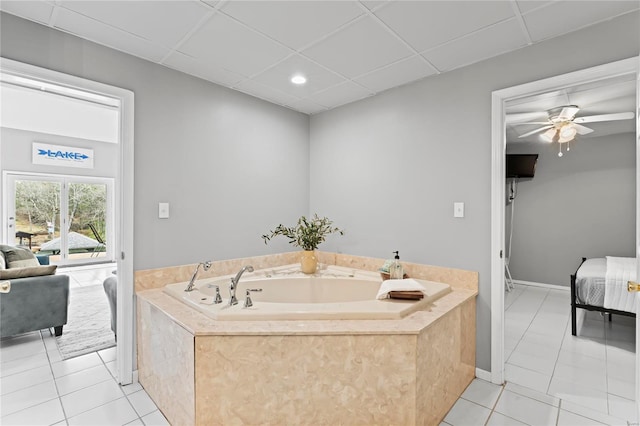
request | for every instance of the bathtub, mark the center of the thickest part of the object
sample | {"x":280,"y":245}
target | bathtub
{"x":287,"y":294}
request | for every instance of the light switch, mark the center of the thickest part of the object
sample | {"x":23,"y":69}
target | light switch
{"x":458,"y":209}
{"x":163,"y":210}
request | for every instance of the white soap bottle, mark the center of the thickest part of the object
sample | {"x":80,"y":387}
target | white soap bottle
{"x":395,"y":271}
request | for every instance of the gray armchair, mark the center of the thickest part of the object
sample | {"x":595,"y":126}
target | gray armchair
{"x":34,"y":303}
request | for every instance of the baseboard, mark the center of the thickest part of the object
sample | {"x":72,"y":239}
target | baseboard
{"x":483,"y":374}
{"x":543,"y":285}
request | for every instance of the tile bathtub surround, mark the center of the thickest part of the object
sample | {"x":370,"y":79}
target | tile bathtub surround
{"x":157,"y":278}
{"x":304,"y":376}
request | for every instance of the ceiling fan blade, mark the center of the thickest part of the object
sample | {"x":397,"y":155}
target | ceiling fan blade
{"x":568,"y":112}
{"x":535,"y":131}
{"x":530,"y":122}
{"x":582,"y":130}
{"x":605,"y":117}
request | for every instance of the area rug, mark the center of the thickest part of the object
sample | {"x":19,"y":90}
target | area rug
{"x":88,"y":326}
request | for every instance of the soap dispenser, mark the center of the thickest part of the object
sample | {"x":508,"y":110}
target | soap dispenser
{"x":395,"y":271}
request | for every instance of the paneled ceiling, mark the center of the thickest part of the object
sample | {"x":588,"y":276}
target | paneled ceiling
{"x":348,"y":50}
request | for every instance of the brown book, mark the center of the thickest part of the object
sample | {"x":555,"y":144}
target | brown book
{"x":408,"y":295}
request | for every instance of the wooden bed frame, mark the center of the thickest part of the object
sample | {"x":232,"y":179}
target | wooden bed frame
{"x":575,"y":305}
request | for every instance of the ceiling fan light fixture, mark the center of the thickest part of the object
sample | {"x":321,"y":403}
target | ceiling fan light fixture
{"x":549,"y":135}
{"x":567,"y":132}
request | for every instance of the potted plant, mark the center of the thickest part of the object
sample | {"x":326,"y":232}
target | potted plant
{"x":307,"y":234}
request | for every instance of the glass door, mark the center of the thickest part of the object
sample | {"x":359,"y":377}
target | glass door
{"x":62,"y":219}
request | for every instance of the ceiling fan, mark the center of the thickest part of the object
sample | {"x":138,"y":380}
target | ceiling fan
{"x":563,"y":125}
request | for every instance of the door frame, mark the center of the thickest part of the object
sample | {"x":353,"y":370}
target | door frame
{"x":124,"y":200}
{"x":9,"y":202}
{"x":498,"y":148}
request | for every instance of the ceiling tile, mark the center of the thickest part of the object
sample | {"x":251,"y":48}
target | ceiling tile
{"x":265,"y":92}
{"x":374,"y":4}
{"x":426,"y":24}
{"x":340,"y":94}
{"x":228,"y":42}
{"x":401,"y":72}
{"x":162,"y":22}
{"x":206,"y":71}
{"x":98,"y":32}
{"x":489,"y":42}
{"x":318,"y":78}
{"x":358,"y":48}
{"x":307,"y":106}
{"x":564,"y":16}
{"x":528,"y":5}
{"x":294,"y":23}
{"x":38,"y":11}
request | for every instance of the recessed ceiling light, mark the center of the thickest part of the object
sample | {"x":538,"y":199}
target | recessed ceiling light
{"x":298,"y":79}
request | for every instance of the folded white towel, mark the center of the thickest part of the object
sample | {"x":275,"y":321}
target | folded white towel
{"x":407,"y":284}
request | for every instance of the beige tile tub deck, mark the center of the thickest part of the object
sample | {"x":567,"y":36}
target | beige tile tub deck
{"x":408,"y":371}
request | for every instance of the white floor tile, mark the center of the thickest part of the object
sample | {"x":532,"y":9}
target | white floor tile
{"x":133,"y":387}
{"x":624,"y":372}
{"x":47,"y":413}
{"x":26,"y":379}
{"x":595,"y":379}
{"x":118,"y":412}
{"x":113,"y":368}
{"x":530,"y":393}
{"x":592,"y":414}
{"x":526,"y":410}
{"x":74,"y":365}
{"x":623,"y":408}
{"x":498,"y":419}
{"x":622,"y":388}
{"x":142,"y":403}
{"x":579,"y":394}
{"x":482,"y":393}
{"x":595,"y":348}
{"x":527,"y":378}
{"x":157,"y":419}
{"x":91,"y":397}
{"x":538,"y":350}
{"x":108,"y":354}
{"x":26,"y":345}
{"x":567,"y":418}
{"x":28,"y":397}
{"x":532,"y":362}
{"x":20,"y":365}
{"x":466,"y":413}
{"x":136,"y":422}
{"x":82,"y":379}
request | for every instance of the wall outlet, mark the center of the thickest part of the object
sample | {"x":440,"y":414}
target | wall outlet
{"x":163,"y":210}
{"x":458,"y":209}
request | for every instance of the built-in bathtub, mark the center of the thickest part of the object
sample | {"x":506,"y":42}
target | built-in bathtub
{"x":287,"y":294}
{"x":200,"y":370}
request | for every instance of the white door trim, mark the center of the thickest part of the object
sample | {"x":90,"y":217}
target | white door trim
{"x":125,"y":351}
{"x":498,"y":146}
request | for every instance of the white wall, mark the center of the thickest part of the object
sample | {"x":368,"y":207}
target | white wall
{"x":580,"y":205}
{"x":232,"y":166}
{"x":389,"y":168}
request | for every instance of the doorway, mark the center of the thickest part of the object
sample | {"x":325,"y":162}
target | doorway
{"x":65,"y":220}
{"x":499,"y":101}
{"x":69,"y":90}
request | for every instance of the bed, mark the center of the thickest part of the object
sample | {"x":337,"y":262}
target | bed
{"x":600,"y":284}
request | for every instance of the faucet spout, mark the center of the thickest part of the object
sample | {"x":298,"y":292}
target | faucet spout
{"x":234,"y":284}
{"x":205,"y":266}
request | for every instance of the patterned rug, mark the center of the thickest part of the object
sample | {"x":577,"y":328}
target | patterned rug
{"x":88,"y":326}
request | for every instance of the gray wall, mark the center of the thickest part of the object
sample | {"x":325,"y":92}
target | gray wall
{"x":582,"y":204}
{"x":232,"y":166}
{"x":389,"y":168}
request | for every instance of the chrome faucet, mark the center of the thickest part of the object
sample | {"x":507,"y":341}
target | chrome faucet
{"x":234,"y":284}
{"x":205,"y":266}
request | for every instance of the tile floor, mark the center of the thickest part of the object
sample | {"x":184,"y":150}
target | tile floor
{"x":552,"y":377}
{"x":38,"y":388}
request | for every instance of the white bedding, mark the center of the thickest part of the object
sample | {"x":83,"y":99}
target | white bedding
{"x":619,"y":271}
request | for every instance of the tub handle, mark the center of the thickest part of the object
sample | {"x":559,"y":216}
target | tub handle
{"x":218,"y":298}
{"x":247,"y":301}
